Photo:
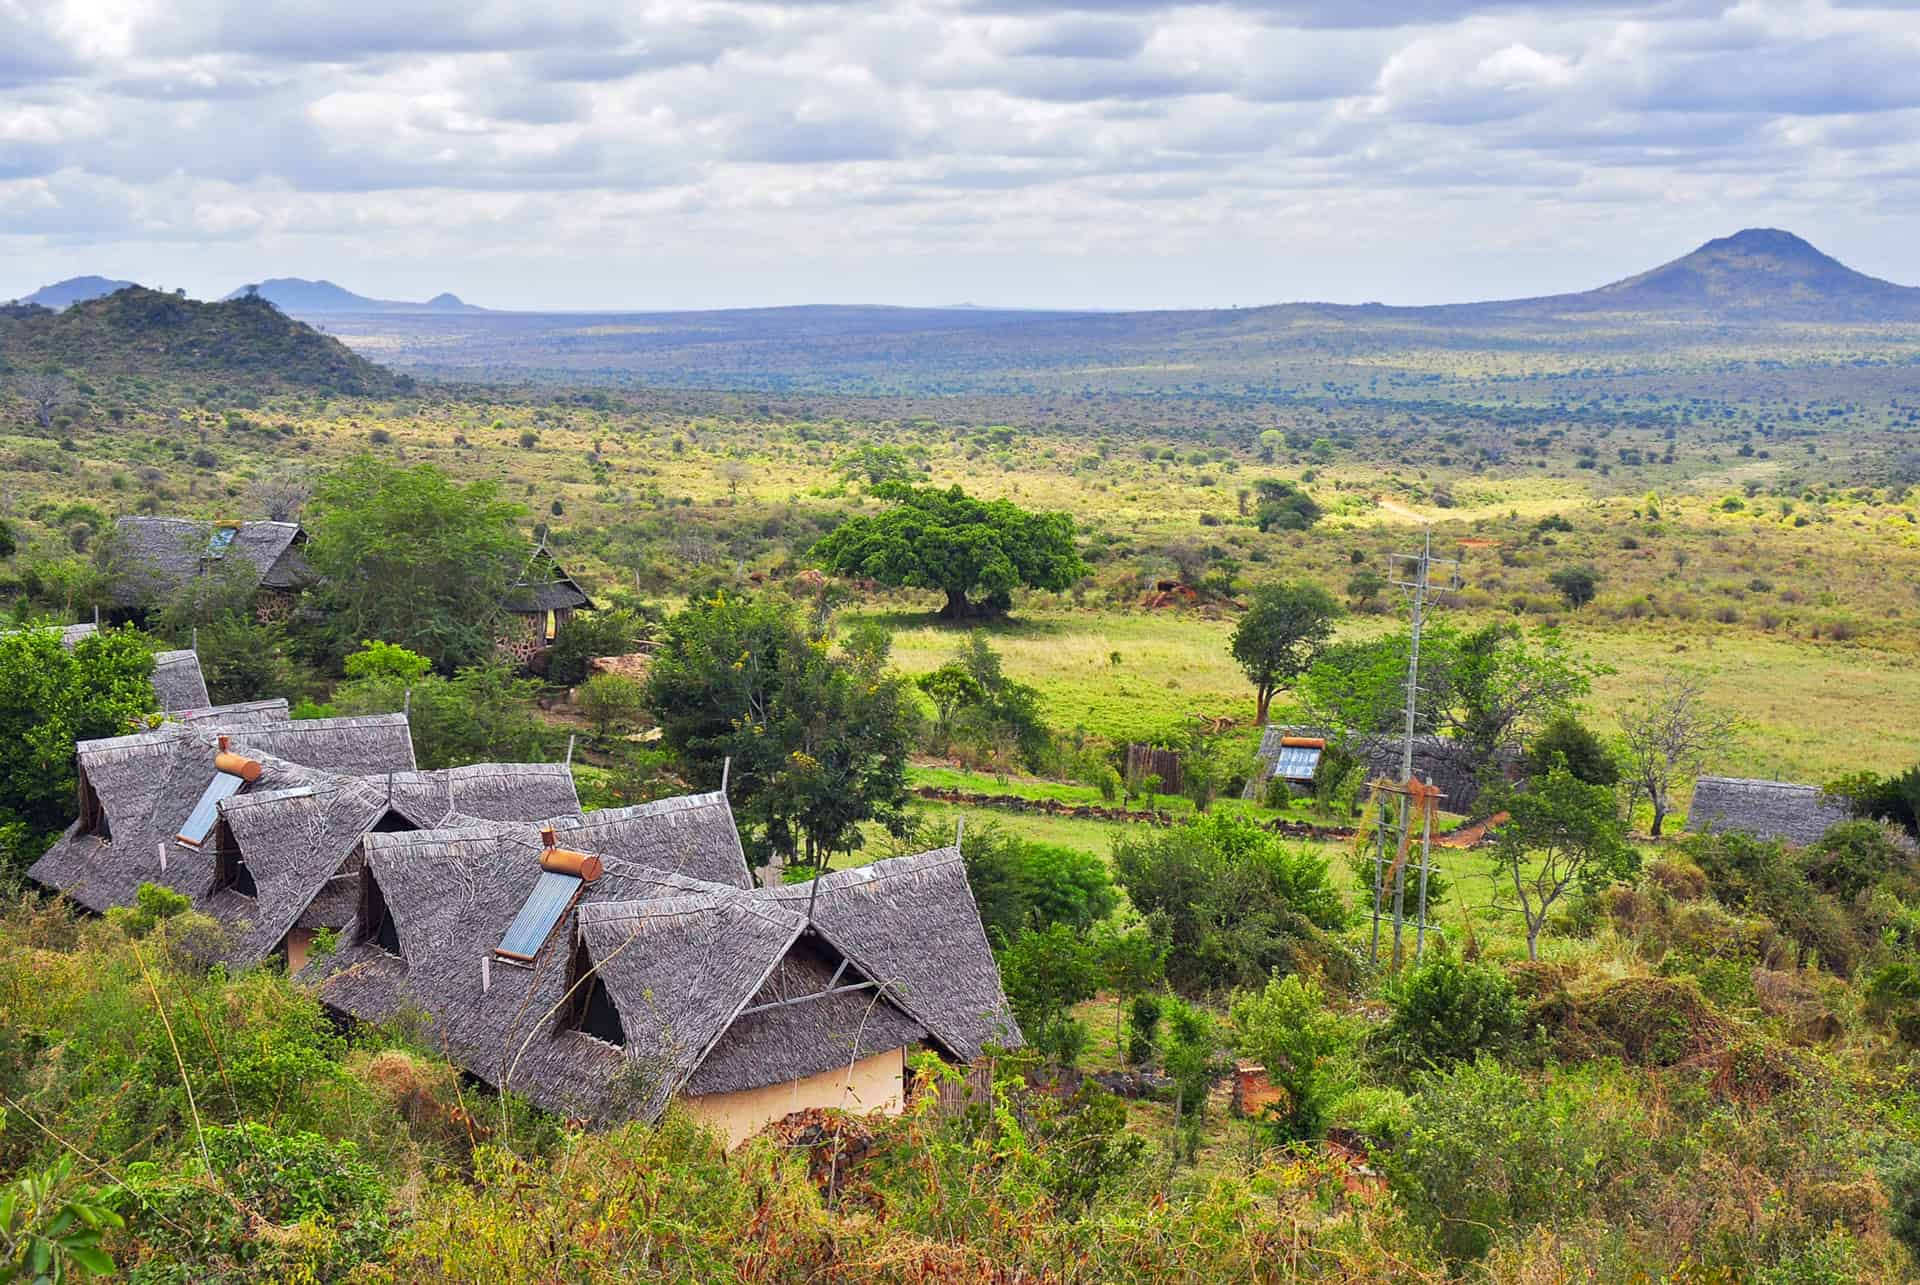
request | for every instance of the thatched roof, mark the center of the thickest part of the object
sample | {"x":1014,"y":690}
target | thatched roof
{"x":1767,"y":809}
{"x":1437,"y":760}
{"x":544,"y":585}
{"x":177,"y":681}
{"x":486,"y":791}
{"x":136,"y":791}
{"x":165,"y":553}
{"x":692,"y":834}
{"x":303,"y":846}
{"x":229,"y":717}
{"x":685,"y":961}
{"x":912,"y":924}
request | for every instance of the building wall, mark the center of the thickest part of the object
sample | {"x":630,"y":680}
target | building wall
{"x":877,"y":1083}
{"x":299,"y":942}
{"x":525,"y":633}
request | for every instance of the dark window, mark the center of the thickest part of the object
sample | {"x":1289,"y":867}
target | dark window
{"x":591,"y":1009}
{"x":229,"y":871}
{"x":375,"y":920}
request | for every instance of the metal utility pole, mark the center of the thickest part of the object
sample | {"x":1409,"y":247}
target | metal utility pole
{"x":1412,"y":573}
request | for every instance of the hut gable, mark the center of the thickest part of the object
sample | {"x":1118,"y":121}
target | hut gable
{"x":137,"y":791}
{"x":177,"y":681}
{"x":912,"y":925}
{"x":543,"y":585}
{"x":1797,"y":814}
{"x":165,"y":553}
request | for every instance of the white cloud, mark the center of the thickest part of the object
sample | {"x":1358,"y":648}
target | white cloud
{"x":692,"y":152}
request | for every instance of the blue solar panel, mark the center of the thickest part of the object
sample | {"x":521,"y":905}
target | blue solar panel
{"x":220,"y":541}
{"x":1297,"y":762}
{"x":550,"y":899}
{"x":200,"y":820}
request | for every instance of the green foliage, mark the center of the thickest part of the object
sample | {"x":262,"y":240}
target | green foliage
{"x":152,"y":905}
{"x":1761,"y":876}
{"x":1046,"y":972}
{"x":1565,"y":739}
{"x":483,"y":714}
{"x":9,"y":539}
{"x":967,"y":549}
{"x":976,"y":702}
{"x":49,"y":698}
{"x":1563,"y":836}
{"x":1577,"y":585}
{"x":1893,"y":798}
{"x":51,"y":1228}
{"x":587,"y":634}
{"x":242,"y":657}
{"x":1288,"y":1028}
{"x":613,"y":703}
{"x":1019,"y":884}
{"x":1283,"y":506}
{"x":1853,"y":857}
{"x":1231,"y":902}
{"x":329,"y":1204}
{"x":1283,"y":630}
{"x":1445,"y":1011}
{"x":409,"y":555}
{"x":1143,"y":1028}
{"x":1190,"y":1057}
{"x":818,"y":737}
{"x":1488,"y":1150}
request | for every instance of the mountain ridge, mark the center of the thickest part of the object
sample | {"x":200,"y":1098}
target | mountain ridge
{"x":300,"y":295}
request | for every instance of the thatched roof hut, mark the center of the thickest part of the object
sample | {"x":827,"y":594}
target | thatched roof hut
{"x":652,"y":979}
{"x":163,"y":554}
{"x":137,"y":792}
{"x":543,"y":585}
{"x":1798,"y":814}
{"x":484,"y":792}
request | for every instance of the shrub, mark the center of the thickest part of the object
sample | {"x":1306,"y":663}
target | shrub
{"x":1445,"y":1012}
{"x":1020,"y":884}
{"x":1852,"y":857}
{"x":1045,"y":974}
{"x":613,"y":703}
{"x":1289,"y":1030}
{"x":1143,"y":1028}
{"x":1234,"y":903}
{"x":588,"y":634}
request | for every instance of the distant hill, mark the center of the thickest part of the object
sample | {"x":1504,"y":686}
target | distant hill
{"x":143,"y":332}
{"x":62,"y":294}
{"x":1760,"y":274}
{"x":302,"y":297}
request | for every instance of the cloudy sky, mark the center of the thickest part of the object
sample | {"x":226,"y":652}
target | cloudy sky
{"x":1114,"y":153}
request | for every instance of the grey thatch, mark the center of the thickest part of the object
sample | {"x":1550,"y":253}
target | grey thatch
{"x":177,"y":681}
{"x":136,"y":791}
{"x":303,"y":847}
{"x":165,"y":553}
{"x":692,"y":834}
{"x":1437,"y":760}
{"x":912,"y":924}
{"x":686,"y":963}
{"x":1799,"y":814}
{"x":543,"y":585}
{"x":486,"y":791}
{"x":230,"y":717}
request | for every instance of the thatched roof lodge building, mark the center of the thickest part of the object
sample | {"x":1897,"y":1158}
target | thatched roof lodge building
{"x":1292,"y":753}
{"x":542,"y":599}
{"x":160,"y":556}
{"x":603,"y":966}
{"x":1796,"y":814}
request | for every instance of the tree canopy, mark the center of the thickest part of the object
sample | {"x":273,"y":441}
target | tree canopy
{"x":412,"y":557}
{"x":977,"y":552}
{"x":818,"y":736}
{"x":51,"y":697}
{"x":1563,"y":836}
{"x":1279,"y":636}
{"x":1283,"y":506}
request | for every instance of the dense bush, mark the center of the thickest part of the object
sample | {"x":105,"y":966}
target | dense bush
{"x":588,"y":634}
{"x":1445,"y":1011}
{"x":482,"y":714}
{"x":1232,"y":902}
{"x":1019,"y":883}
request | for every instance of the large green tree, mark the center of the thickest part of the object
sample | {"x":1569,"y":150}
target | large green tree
{"x":977,"y":552}
{"x":1283,"y":630}
{"x":818,"y":735}
{"x":412,"y":557}
{"x":49,"y":698}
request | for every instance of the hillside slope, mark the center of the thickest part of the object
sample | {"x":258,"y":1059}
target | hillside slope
{"x":137,"y":331}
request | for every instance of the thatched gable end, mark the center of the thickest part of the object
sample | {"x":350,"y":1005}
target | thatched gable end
{"x":177,"y":681}
{"x":1798,"y":814}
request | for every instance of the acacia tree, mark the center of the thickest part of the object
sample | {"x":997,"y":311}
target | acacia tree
{"x":818,"y":736}
{"x":1668,"y":736}
{"x":1562,"y":836}
{"x":974,"y":551}
{"x":409,"y":556}
{"x":1281,"y":634}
